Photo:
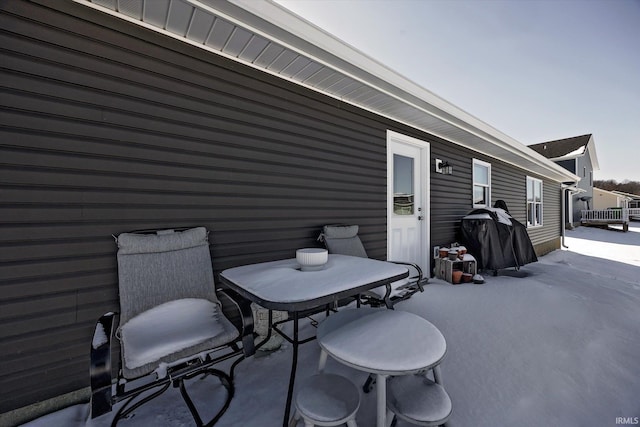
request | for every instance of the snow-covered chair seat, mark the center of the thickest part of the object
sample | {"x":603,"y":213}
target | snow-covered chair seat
{"x":417,"y":400}
{"x":172,"y":323}
{"x":171,"y":331}
{"x":326,"y":400}
{"x":344,"y":240}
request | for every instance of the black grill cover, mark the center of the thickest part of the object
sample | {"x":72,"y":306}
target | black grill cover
{"x":494,"y":242}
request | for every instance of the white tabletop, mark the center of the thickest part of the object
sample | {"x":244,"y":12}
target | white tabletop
{"x":281,"y":285}
{"x":389,"y":342}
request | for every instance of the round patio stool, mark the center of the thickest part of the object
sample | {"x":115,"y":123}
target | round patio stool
{"x":417,"y":400}
{"x":326,"y":400}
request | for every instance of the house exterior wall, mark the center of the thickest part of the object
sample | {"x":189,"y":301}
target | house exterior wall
{"x":606,"y":199}
{"x":108,"y":127}
{"x":582,"y":167}
{"x":451,"y":197}
{"x":585,"y":172}
{"x":569,"y":165}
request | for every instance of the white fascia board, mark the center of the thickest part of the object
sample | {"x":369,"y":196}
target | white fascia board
{"x":572,"y":188}
{"x":329,"y":50}
{"x":561,"y":174}
{"x":572,"y":155}
{"x":278,"y":24}
{"x":633,"y":196}
{"x":591,"y":147}
{"x":378,"y":75}
{"x":303,"y":29}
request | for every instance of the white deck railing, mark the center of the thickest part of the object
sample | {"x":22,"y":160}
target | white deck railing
{"x":634,"y":212}
{"x":606,"y":216}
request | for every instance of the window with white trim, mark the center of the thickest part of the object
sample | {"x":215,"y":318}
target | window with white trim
{"x":481,"y":184}
{"x":534,"y":202}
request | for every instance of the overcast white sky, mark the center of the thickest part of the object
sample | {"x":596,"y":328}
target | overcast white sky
{"x":537,"y":70}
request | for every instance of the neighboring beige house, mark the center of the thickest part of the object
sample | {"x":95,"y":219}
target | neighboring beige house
{"x":634,"y":199}
{"x":603,"y":199}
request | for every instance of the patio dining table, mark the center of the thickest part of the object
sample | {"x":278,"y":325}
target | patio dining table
{"x":282,"y":285}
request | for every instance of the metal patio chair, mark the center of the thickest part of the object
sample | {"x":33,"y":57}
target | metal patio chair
{"x":344,"y":240}
{"x":173,"y":325}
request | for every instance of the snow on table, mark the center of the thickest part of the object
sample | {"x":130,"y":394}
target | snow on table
{"x":284,"y":282}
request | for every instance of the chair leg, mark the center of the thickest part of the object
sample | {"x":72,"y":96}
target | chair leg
{"x":226,"y":381}
{"x":125,"y":409}
{"x":352,"y":423}
{"x":189,"y":402}
{"x":390,"y":418}
{"x":293,"y":422}
{"x":323,"y":361}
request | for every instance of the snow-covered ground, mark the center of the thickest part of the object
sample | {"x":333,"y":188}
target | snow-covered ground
{"x":558,"y":347}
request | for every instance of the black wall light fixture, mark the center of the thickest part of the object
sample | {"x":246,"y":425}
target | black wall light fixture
{"x":443,"y":167}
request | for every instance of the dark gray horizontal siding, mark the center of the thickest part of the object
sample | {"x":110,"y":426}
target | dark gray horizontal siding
{"x":510,"y":184}
{"x":551,"y":214}
{"x":451,"y":194}
{"x":106,"y":127}
{"x":97,"y":138}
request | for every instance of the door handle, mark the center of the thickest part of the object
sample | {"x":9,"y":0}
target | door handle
{"x":420,"y":218}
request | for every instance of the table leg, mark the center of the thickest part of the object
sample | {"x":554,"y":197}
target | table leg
{"x":437,"y":375}
{"x":381,"y":389}
{"x":292,"y":376}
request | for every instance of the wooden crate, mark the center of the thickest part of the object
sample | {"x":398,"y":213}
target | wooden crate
{"x":444,"y":267}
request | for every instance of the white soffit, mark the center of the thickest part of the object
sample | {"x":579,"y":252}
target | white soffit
{"x":267,"y":36}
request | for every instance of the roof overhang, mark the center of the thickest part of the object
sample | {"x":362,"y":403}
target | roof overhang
{"x":589,"y":147}
{"x":573,"y":189}
{"x":611,"y":193}
{"x":631,"y":196}
{"x":269,"y":37}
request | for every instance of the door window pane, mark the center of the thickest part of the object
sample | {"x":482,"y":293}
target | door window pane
{"x":403,"y":203}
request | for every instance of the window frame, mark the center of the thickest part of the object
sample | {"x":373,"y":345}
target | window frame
{"x":531,"y":223}
{"x":474,"y":183}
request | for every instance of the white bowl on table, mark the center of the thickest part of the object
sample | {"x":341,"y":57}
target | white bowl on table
{"x":312,"y":259}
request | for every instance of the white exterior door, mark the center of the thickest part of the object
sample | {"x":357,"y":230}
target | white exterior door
{"x":407,"y":199}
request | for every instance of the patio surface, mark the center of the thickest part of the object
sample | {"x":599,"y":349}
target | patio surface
{"x":558,"y":347}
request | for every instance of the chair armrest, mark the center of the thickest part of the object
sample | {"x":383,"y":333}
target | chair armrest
{"x":238,"y":310}
{"x":100,"y":368}
{"x":419,"y":280}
